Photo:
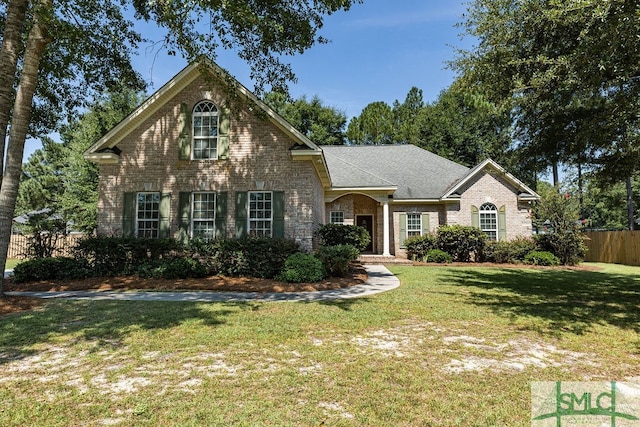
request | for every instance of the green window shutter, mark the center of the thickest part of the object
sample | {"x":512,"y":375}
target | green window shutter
{"x":184,"y":128}
{"x":129,"y":215}
{"x":242,"y":198}
{"x":278,"y":214}
{"x":164,"y":209}
{"x":502,"y":223}
{"x":223,"y":132}
{"x":403,"y":229}
{"x":184,"y":216}
{"x":475,"y":217}
{"x":425,"y":224}
{"x":221,"y":214}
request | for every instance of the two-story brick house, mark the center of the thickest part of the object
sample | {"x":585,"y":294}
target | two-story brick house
{"x":204,"y":157}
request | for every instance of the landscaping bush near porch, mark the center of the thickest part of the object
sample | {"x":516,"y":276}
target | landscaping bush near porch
{"x":341,"y":234}
{"x":462,"y":243}
{"x":301,"y":267}
{"x":336,"y":259}
{"x":509,"y":251}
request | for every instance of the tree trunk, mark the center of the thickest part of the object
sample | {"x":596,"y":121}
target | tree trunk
{"x":630,"y":219}
{"x":580,"y":191}
{"x":556,"y":176}
{"x":36,"y":43}
{"x":11,"y":47}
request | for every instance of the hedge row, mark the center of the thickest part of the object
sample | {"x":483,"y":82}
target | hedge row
{"x":464,"y":243}
{"x":167,"y":258}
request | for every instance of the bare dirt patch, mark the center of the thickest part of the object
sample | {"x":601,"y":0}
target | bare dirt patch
{"x":12,"y":304}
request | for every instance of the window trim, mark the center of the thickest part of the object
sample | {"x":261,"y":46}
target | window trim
{"x":331,"y":221}
{"x":138,"y":220}
{"x":195,"y":114}
{"x":250,"y":220}
{"x":193,"y":211}
{"x":413,"y":230}
{"x":492,"y":210}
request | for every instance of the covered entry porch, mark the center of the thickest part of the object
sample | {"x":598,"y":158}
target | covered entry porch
{"x":369,"y":210}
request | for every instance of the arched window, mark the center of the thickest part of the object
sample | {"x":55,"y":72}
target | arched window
{"x":489,"y":220}
{"x":205,"y":131}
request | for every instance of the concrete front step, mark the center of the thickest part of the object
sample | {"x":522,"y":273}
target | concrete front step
{"x":381,"y":259}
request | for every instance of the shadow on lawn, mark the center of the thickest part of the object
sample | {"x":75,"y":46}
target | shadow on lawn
{"x":106,"y":323}
{"x":568,"y":300}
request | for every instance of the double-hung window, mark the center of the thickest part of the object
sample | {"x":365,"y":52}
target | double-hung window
{"x":205,"y":131}
{"x":203,"y":211}
{"x":336,"y":217}
{"x":489,"y":220}
{"x":414,"y":224}
{"x":260,"y":213}
{"x":147,"y":214}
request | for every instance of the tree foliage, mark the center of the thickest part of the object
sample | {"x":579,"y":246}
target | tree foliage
{"x":261,"y":32}
{"x":557,"y":213}
{"x":459,"y":126}
{"x":465,"y":129}
{"x":374,"y":126}
{"x":568,"y":71}
{"x":604,"y":203}
{"x":406,"y":118}
{"x":59,"y":178}
{"x":321,"y":124}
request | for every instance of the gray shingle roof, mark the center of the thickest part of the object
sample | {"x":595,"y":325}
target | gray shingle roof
{"x":417,"y":173}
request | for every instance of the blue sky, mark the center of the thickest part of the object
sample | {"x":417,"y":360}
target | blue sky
{"x":378,"y":51}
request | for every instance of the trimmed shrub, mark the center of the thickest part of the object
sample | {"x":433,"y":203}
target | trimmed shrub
{"x":301,"y":267}
{"x":436,"y":255}
{"x":340,"y":234}
{"x":184,"y":268}
{"x":568,"y":246}
{"x":177,"y":268}
{"x":541,"y":258}
{"x":336,"y":259}
{"x":61,"y":268}
{"x":461,"y":241}
{"x":511,"y":251}
{"x":247,"y":257}
{"x":150,"y":269}
{"x":113,"y":256}
{"x":418,"y":246}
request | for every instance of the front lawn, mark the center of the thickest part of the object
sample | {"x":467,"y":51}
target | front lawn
{"x":451,"y":346}
{"x":12,"y":262}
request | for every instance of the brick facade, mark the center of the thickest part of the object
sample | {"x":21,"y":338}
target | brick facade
{"x":489,"y":187}
{"x":260,"y":159}
{"x":258,"y":156}
{"x":484,"y":187}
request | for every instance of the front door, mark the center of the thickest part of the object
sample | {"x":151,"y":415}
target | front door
{"x":366,"y":222}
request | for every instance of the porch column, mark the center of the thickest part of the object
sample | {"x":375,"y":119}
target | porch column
{"x":385,"y":229}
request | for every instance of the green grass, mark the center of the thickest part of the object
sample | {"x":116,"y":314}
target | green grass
{"x":451,"y":346}
{"x":12,"y":262}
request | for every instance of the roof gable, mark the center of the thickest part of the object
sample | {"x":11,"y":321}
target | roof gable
{"x":102,"y":149}
{"x":525,"y":193}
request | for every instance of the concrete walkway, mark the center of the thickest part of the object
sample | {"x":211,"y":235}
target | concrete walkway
{"x":380,"y":280}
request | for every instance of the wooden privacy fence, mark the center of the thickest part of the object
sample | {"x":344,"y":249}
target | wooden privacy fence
{"x":619,"y":247}
{"x":19,"y":243}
